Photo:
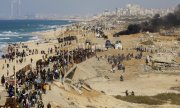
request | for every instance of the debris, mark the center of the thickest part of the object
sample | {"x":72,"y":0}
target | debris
{"x":75,"y":88}
{"x":85,"y":87}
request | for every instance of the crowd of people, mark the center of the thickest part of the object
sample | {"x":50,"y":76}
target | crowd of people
{"x":31,"y":85}
{"x":117,"y":61}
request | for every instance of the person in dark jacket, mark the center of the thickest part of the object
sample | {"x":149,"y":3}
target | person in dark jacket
{"x":48,"y":105}
{"x":2,"y":80}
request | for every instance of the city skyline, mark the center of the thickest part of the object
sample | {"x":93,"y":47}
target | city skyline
{"x":19,"y":8}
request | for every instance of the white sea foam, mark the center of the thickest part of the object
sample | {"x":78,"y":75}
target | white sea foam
{"x":7,"y":38}
{"x":34,"y":38}
{"x":52,"y":27}
{"x":49,"y":26}
{"x":3,"y":45}
{"x":9,"y":33}
{"x":13,"y":34}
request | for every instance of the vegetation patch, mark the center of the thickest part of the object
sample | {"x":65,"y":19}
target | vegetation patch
{"x":159,"y":99}
{"x":148,"y":42}
{"x":174,"y":98}
{"x":140,"y":100}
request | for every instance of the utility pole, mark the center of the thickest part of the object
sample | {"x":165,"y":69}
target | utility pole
{"x":15,"y":75}
{"x":68,"y":59}
{"x":78,"y":35}
{"x":63,"y":44}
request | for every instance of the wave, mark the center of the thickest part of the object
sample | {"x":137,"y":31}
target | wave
{"x":20,"y":37}
{"x":5,"y":38}
{"x":52,"y":27}
{"x":3,"y":45}
{"x":13,"y":34}
{"x":47,"y":27}
{"x":34,"y":38}
{"x":9,"y":33}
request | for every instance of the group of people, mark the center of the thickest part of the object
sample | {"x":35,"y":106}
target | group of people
{"x":144,"y":49}
{"x":117,"y":61}
{"x":131,"y":93}
{"x":31,"y":85}
{"x":81,"y":54}
{"x":29,"y":89}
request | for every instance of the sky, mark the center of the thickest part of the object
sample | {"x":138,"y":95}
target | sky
{"x":78,"y":7}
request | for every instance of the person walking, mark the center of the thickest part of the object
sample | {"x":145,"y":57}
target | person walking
{"x":3,"y":80}
{"x":123,"y":68}
{"x":48,"y":105}
{"x":121,"y":78}
{"x":126,"y":92}
{"x":132,"y":93}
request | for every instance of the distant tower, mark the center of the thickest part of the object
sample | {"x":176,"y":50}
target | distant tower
{"x":19,"y":8}
{"x":116,"y":11}
{"x":15,"y":8}
{"x":12,"y":10}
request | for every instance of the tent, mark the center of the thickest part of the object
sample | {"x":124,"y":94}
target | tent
{"x":108,"y":44}
{"x":118,"y":45}
{"x":98,"y":35}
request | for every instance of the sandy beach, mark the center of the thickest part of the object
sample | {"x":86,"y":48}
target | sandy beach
{"x":97,"y":73}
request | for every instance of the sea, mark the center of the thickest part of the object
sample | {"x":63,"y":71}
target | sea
{"x":13,"y":31}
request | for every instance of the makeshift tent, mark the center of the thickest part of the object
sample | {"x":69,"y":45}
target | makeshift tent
{"x":98,"y":35}
{"x":118,"y":45}
{"x":108,"y":43}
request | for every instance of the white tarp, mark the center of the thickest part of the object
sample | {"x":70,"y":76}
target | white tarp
{"x":118,"y":46}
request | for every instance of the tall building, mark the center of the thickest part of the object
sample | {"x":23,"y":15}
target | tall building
{"x":116,"y":12}
{"x":15,"y":8}
{"x":137,"y":10}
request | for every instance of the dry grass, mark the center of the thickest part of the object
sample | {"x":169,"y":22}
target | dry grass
{"x":172,"y":97}
{"x":159,"y":99}
{"x":140,"y":100}
{"x":148,"y":42}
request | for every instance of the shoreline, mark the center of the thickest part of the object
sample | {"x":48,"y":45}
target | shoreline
{"x":96,"y":71}
{"x":39,"y":35}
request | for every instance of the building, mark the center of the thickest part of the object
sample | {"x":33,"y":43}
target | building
{"x":137,"y":10}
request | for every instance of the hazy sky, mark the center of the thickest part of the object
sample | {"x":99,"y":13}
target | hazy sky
{"x":78,"y":7}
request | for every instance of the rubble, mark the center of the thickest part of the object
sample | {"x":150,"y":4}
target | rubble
{"x":164,"y":61}
{"x":78,"y":86}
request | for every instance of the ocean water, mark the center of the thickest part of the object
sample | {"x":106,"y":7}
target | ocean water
{"x":12,"y":31}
